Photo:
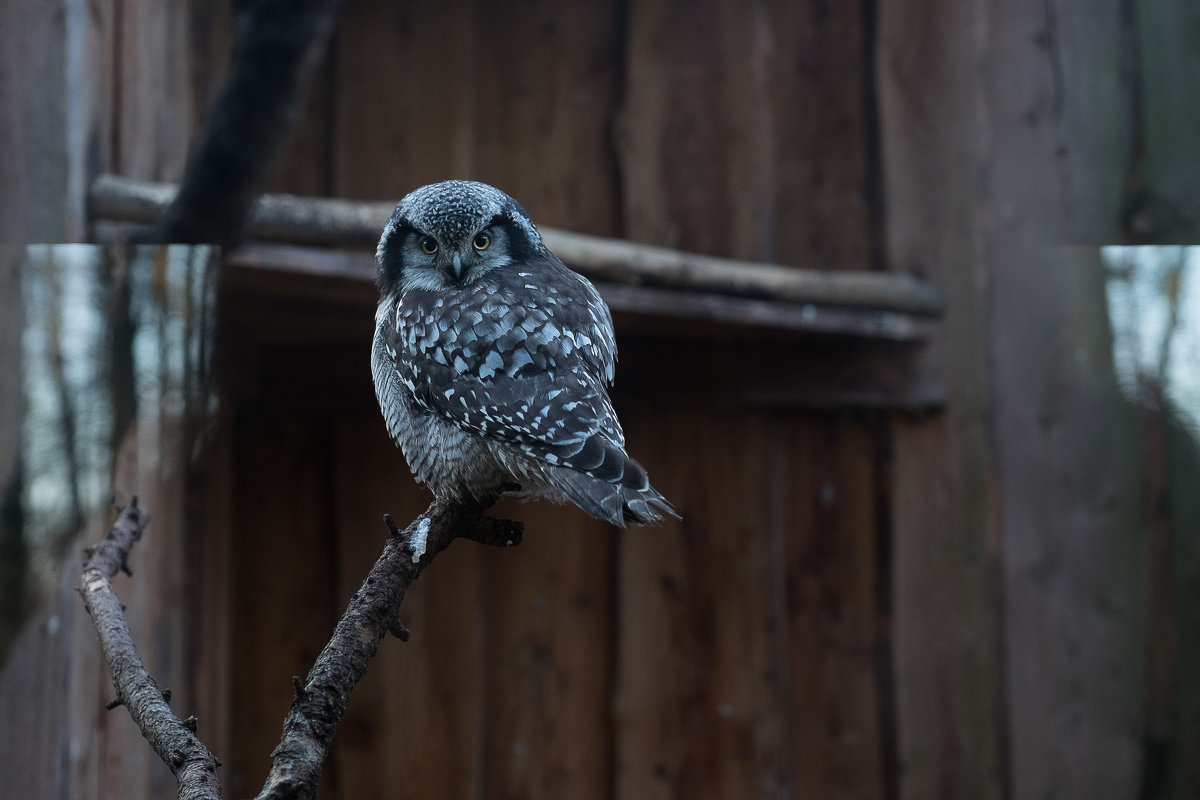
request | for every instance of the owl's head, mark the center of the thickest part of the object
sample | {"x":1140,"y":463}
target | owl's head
{"x":448,"y":234}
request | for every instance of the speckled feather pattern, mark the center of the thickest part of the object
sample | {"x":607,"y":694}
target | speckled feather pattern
{"x":498,"y":378}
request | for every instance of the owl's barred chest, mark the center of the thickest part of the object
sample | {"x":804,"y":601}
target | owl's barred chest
{"x":444,"y":457}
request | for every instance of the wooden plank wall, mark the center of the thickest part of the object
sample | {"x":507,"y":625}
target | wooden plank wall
{"x":729,"y":656}
{"x":1031,"y":601}
{"x":856,"y":605}
{"x":736,"y":651}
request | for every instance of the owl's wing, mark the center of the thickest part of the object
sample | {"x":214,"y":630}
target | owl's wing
{"x":525,"y":369}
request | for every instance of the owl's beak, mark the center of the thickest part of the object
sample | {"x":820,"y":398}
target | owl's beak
{"x":456,"y":267}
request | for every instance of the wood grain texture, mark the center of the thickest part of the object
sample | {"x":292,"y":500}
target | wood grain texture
{"x":746,"y":632}
{"x":548,"y":645}
{"x":743,"y":131}
{"x":283,"y":589}
{"x":155,"y":113}
{"x":951,"y":726}
{"x":998,"y":148}
{"x":824,"y":473}
{"x":520,"y":95}
{"x":33,"y":47}
{"x":545,"y":105}
{"x":405,"y":110}
{"x":1074,"y":563}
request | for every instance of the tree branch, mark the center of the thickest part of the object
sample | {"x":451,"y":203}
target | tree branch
{"x":173,"y":739}
{"x":276,"y":47}
{"x":320,"y":703}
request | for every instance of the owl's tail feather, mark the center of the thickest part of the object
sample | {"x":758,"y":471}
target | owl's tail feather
{"x":628,"y":499}
{"x":642,"y":508}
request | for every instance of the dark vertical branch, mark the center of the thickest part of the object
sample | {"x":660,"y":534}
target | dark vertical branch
{"x":1135,"y":223}
{"x":14,"y":550}
{"x":122,"y":384}
{"x":276,"y":46}
{"x":66,"y":399}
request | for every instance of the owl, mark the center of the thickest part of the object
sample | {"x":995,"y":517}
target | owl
{"x":492,"y":359}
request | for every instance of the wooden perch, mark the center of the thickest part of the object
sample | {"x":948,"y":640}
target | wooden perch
{"x":320,"y":701}
{"x":193,"y":765}
{"x":328,"y":221}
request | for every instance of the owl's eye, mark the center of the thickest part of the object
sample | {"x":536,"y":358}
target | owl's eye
{"x":428,"y":245}
{"x":482,"y":241}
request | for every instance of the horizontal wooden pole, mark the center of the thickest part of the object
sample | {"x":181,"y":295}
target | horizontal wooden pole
{"x":641,"y":300}
{"x":336,"y":222}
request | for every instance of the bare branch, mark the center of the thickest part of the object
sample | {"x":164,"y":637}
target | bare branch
{"x":173,"y":739}
{"x":320,"y":703}
{"x":276,"y":47}
{"x":330,"y":221}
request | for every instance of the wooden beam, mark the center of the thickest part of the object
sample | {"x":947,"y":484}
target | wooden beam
{"x":643,"y":301}
{"x":336,"y":222}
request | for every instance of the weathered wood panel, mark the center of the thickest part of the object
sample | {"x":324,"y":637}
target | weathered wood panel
{"x":732,"y":122}
{"x":746,"y":634}
{"x":827,"y":473}
{"x":155,"y":112}
{"x":744,"y":131}
{"x":545,"y":98}
{"x":1074,"y":565}
{"x":1046,"y":669}
{"x":33,"y":134}
{"x":951,"y":733}
{"x":548,"y":642}
{"x":283,"y":586}
{"x":520,"y":95}
{"x":405,"y":109}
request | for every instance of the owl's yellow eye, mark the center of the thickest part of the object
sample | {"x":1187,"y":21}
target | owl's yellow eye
{"x":428,"y":245}
{"x":482,"y":241}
